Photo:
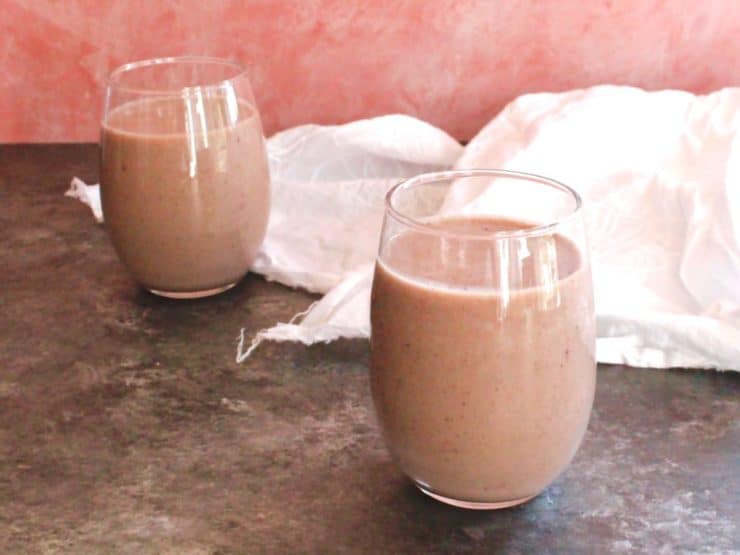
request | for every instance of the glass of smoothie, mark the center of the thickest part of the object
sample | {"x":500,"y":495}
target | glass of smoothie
{"x":183,"y":172}
{"x":483,"y":334}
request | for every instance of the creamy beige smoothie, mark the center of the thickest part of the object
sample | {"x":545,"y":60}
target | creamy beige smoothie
{"x":185,"y":190}
{"x":483,"y":392}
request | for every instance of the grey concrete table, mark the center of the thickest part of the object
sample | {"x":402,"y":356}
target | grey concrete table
{"x":127,"y":427}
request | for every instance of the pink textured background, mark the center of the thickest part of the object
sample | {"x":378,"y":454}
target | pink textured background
{"x":454,"y":63}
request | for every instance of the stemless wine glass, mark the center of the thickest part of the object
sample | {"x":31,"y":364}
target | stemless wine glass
{"x":483,"y":334}
{"x":183,"y":173}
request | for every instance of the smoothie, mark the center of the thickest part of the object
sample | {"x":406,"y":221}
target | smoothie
{"x":185,"y":191}
{"x":482,"y":364}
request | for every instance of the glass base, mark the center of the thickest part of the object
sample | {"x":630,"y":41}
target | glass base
{"x":192,"y":294}
{"x":475,"y":505}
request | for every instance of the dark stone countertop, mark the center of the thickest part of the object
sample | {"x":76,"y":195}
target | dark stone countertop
{"x":127,"y":427}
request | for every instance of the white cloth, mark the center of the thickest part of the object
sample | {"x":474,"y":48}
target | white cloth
{"x":87,"y":194}
{"x":659,"y":172}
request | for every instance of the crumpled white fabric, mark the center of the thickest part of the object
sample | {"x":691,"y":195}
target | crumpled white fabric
{"x":328,"y":190}
{"x":660,"y":176}
{"x":659,"y":172}
{"x":87,"y":194}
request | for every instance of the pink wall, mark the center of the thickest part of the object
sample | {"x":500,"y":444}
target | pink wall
{"x":451,"y":62}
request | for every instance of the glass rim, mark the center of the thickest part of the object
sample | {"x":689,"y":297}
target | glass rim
{"x":239,"y":71}
{"x":432,"y":177}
